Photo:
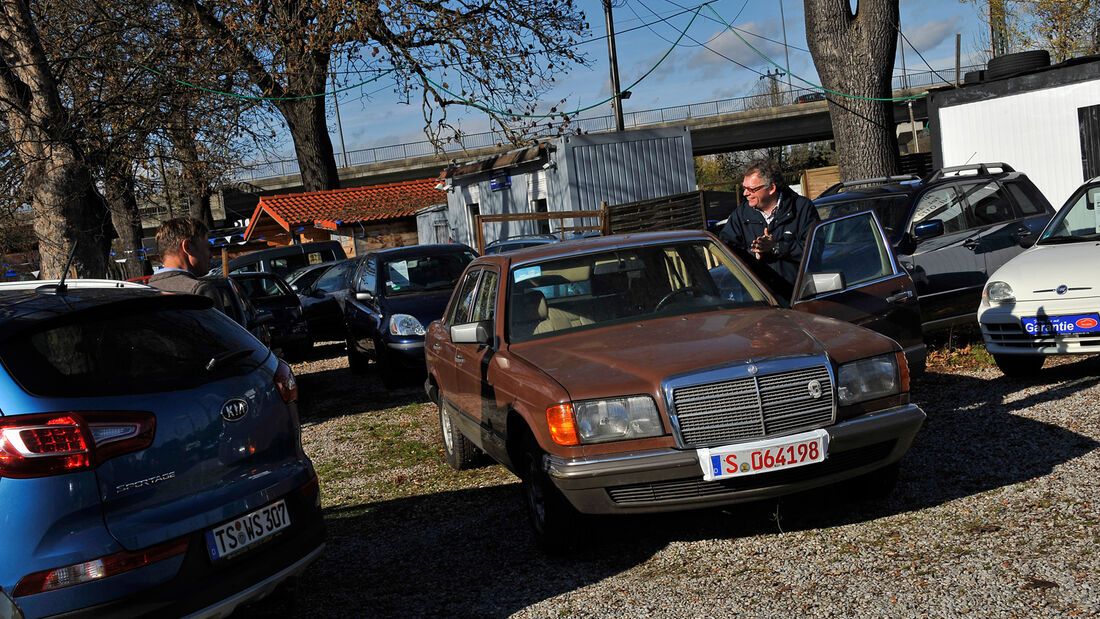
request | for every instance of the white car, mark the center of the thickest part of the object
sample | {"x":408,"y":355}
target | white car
{"x":1046,"y":301}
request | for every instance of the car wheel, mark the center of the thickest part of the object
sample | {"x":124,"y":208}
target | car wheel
{"x":459,"y":450}
{"x":357,"y":361}
{"x":550,"y":515}
{"x":385,"y":365}
{"x":1019,"y":366}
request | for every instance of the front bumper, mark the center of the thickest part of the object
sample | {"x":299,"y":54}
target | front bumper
{"x":671,"y":479}
{"x":1004,"y":333}
{"x":408,"y":355}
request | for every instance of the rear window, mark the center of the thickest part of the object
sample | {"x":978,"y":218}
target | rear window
{"x":108,"y":353}
{"x":890,"y":209}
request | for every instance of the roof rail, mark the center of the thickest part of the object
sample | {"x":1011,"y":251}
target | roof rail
{"x":980,"y":168}
{"x":878,"y":180}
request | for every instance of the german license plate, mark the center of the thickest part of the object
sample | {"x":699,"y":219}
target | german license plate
{"x":763,"y":456}
{"x":247,"y":531}
{"x":1050,"y":325}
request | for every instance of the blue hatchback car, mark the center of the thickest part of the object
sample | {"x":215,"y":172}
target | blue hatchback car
{"x":395,"y":293}
{"x":150,"y":457}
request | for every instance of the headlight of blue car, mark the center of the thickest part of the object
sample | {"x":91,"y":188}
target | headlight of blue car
{"x":403,"y":324}
{"x":617,"y":419}
{"x":867,"y":379}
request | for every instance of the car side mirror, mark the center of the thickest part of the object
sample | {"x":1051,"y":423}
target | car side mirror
{"x":364,"y":296}
{"x":316,"y":293}
{"x":928,"y":229}
{"x":821,"y":283}
{"x":1028,"y":240}
{"x":480,"y":333}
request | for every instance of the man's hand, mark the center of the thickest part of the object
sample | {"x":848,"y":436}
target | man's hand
{"x":764,"y":245}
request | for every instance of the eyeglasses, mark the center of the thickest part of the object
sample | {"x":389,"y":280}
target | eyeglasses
{"x":757,"y":188}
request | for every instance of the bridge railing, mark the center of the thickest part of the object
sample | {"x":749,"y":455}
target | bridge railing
{"x":594,"y":124}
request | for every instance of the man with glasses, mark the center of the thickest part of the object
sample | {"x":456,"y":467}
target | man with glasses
{"x":768,"y":230}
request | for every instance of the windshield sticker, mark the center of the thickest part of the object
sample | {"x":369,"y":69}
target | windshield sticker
{"x":526,"y":273}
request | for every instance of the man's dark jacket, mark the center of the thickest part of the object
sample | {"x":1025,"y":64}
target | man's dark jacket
{"x":183,"y":281}
{"x":794,"y":215}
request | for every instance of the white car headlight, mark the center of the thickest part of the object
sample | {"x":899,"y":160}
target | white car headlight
{"x":867,"y":379}
{"x":999,"y":292}
{"x":617,"y":419}
{"x":403,"y":324}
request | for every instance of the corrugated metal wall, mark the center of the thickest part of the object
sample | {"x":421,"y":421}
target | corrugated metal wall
{"x":1036,"y":132}
{"x":628,"y":166}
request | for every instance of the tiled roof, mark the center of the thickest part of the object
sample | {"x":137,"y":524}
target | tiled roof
{"x":329,"y":209}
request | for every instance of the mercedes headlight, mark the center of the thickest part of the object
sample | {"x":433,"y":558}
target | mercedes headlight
{"x":999,"y":292}
{"x":403,"y":324}
{"x":617,"y":419}
{"x":867,"y":379}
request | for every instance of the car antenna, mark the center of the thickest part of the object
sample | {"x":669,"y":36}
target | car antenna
{"x":60,"y":287}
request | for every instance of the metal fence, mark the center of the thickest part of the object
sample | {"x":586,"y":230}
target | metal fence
{"x":596,"y":124}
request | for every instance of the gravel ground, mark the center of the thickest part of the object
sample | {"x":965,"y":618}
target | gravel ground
{"x":997,"y":513}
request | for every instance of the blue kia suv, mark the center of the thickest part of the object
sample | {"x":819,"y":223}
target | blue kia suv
{"x":150,"y":457}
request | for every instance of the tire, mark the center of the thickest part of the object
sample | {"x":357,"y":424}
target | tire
{"x":552,"y":519}
{"x":357,"y":361}
{"x":460,"y":452}
{"x":1011,"y":64}
{"x":387,"y":370}
{"x":1019,"y":366}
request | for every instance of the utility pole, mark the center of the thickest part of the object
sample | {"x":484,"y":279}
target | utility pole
{"x":786,"y":52}
{"x":339,"y":127}
{"x":616,"y":101}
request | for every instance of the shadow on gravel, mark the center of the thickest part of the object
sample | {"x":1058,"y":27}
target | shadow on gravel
{"x":327,"y":394}
{"x":469,"y":552}
{"x":455,"y":554}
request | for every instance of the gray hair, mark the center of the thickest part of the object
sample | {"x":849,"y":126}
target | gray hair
{"x":768,"y":170}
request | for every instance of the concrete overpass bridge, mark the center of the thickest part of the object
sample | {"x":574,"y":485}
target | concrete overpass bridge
{"x":716,"y":126}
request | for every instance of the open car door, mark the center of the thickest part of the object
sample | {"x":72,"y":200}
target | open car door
{"x":849,"y":272}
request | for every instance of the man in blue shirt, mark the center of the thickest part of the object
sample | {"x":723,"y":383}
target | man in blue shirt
{"x":769,"y":228}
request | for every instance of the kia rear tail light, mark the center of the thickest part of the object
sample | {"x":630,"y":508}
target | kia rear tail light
{"x":47,"y":444}
{"x":110,"y":565}
{"x":286,"y":383}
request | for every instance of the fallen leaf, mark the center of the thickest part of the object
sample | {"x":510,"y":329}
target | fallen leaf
{"x":1038,"y":583}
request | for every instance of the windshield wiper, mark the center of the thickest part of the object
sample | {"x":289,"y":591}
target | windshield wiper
{"x":227,"y":357}
{"x":1057,"y":240}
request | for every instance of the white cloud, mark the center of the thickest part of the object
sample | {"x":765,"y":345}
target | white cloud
{"x":931,"y":34}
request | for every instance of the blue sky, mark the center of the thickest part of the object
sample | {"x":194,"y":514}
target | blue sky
{"x":702,"y":67}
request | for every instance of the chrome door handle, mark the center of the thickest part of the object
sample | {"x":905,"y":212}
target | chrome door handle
{"x":972,"y":243}
{"x":900,"y":297}
{"x":459,"y":358}
{"x":435,"y":347}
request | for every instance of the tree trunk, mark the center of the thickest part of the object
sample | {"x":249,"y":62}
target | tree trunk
{"x":854,"y":55}
{"x":122,"y":202}
{"x":312,"y":143}
{"x":57,"y":179}
{"x":67,"y":211}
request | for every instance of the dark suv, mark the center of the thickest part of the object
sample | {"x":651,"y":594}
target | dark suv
{"x":950,"y":230}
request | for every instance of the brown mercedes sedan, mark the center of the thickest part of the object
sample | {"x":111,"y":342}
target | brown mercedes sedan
{"x":653,"y":372}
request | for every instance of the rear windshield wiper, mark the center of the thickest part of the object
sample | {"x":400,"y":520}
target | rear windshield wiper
{"x":227,"y":357}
